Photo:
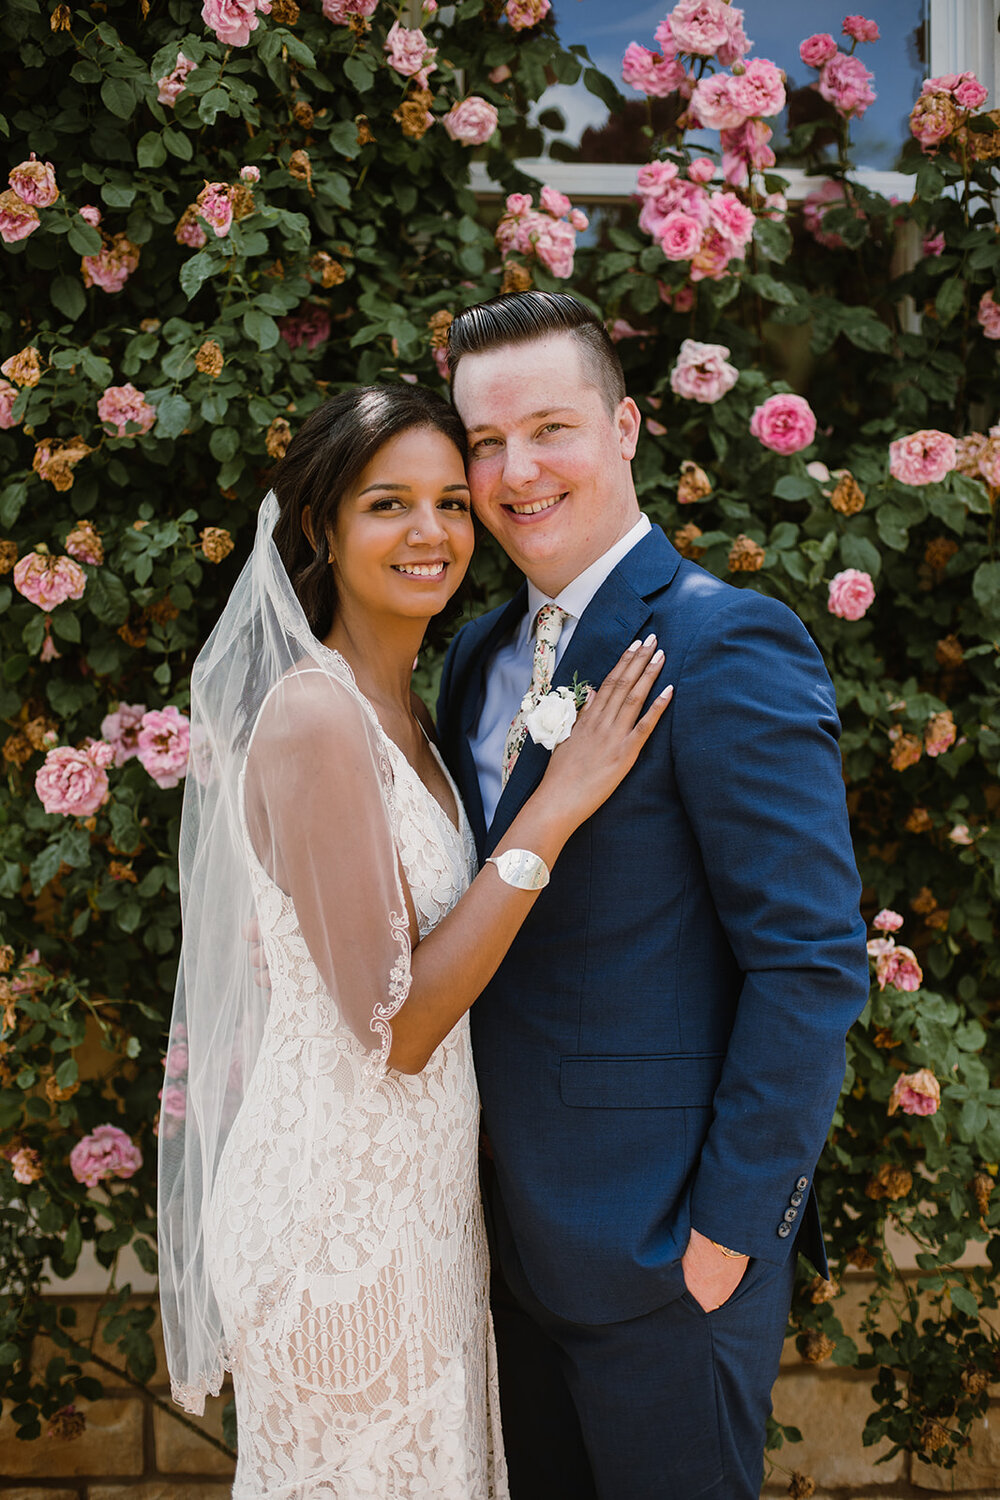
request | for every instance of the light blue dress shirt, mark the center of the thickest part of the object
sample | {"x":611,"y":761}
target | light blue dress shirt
{"x":508,"y":675}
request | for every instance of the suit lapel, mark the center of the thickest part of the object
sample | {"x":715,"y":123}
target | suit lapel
{"x":470,"y":692}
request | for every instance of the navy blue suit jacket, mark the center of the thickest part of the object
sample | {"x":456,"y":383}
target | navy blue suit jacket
{"x":664,"y":1043}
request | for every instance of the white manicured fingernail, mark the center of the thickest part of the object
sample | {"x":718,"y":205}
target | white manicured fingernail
{"x":667,"y":691}
{"x":656,"y":658}
{"x":635,"y":645}
{"x":650,"y":640}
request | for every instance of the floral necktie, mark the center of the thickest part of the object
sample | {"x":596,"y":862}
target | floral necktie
{"x":548,"y":628}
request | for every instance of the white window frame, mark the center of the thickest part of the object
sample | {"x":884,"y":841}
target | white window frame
{"x":963,"y":35}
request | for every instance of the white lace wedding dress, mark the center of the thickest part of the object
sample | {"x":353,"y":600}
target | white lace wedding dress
{"x":350,"y":1262}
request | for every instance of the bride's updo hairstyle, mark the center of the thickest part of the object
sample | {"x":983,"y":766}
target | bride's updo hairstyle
{"x":326,"y":456}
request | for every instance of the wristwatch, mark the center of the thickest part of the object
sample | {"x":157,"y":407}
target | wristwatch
{"x":521,"y":868}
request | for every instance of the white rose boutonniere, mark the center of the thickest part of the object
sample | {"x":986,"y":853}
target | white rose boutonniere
{"x":550,"y":719}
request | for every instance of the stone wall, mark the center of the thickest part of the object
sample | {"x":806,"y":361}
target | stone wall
{"x":138,"y":1446}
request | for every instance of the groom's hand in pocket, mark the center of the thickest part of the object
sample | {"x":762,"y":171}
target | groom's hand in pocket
{"x":709,"y":1275}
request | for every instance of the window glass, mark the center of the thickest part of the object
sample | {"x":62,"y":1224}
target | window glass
{"x":776,"y":27}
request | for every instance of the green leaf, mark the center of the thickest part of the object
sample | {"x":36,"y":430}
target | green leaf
{"x":360,"y":73}
{"x":893,"y":527}
{"x":602,"y":88}
{"x":224,"y":443}
{"x":794,"y":487}
{"x":178,"y":143}
{"x":68,"y":295}
{"x":72,"y":1241}
{"x":44,"y":867}
{"x":172,"y":416}
{"x":124,"y":829}
{"x":949,"y":299}
{"x":151,"y":151}
{"x":772,"y":290}
{"x":344,"y":138}
{"x":83,"y":237}
{"x":858,"y":552}
{"x":196,"y":271}
{"x":775,"y":240}
{"x":119,"y":97}
{"x":986,"y":587}
{"x":963,"y":1299}
{"x":108,"y":598}
{"x":260,"y":327}
{"x":211,"y":104}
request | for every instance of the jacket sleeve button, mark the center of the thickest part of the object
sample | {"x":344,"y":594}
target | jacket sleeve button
{"x":802,"y":1184}
{"x":795,"y":1199}
{"x":791,"y":1214}
{"x":784,"y":1230}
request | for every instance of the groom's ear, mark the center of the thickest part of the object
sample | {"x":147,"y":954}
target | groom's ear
{"x":628,"y":423}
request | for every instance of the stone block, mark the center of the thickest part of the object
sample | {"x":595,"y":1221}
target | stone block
{"x":34,"y":1494}
{"x":978,"y":1469}
{"x":181,"y":1451}
{"x":830,"y":1409}
{"x":159,"y":1489}
{"x":110,"y":1444}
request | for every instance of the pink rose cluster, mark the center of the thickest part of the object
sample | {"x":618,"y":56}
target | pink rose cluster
{"x":472,"y":122}
{"x":163,"y":744}
{"x":214,"y":204}
{"x":122,"y":406}
{"x":987,"y":315}
{"x":32,"y":186}
{"x":915,"y":1093}
{"x":784,"y":423}
{"x":8,"y":395}
{"x":339,"y":12}
{"x":843,"y":81}
{"x":548,"y":233}
{"x":112,"y":266}
{"x":105,"y":1152}
{"x":173,"y":1095}
{"x":523,"y":14}
{"x":894,"y":965}
{"x":410,"y":53}
{"x":814,"y":208}
{"x":851,"y":594}
{"x":309,"y":325}
{"x":74,"y":782}
{"x":944,"y":106}
{"x":925,"y":457}
{"x":702,"y":372}
{"x":887,"y":920}
{"x":49,"y":581}
{"x":120,"y":729}
{"x":704,"y":28}
{"x":692,"y":223}
{"x":234,"y":20}
{"x":172,"y":85}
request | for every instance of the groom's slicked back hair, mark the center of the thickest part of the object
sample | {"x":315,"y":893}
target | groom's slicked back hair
{"x":522,"y":317}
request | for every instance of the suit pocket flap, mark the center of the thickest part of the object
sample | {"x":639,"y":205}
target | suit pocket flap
{"x":640,"y":1082}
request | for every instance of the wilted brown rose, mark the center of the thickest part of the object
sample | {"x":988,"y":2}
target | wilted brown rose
{"x":967,"y":453}
{"x":330,"y":271}
{"x":906,"y":750}
{"x":300,"y":167}
{"x":57,"y":1094}
{"x":983,"y":145}
{"x":365,"y":133}
{"x":24,"y":367}
{"x":982,"y":1187}
{"x":67,"y":1424}
{"x":84,"y":543}
{"x":118,"y":870}
{"x":216,"y":543}
{"x":684,"y":540}
{"x":515,"y":278}
{"x":884,"y":1038}
{"x":162,"y":611}
{"x":41,"y":732}
{"x":8,"y":556}
{"x":6,"y":957}
{"x":284,"y":12}
{"x":413,"y":116}
{"x":745,"y":555}
{"x":975,"y":1381}
{"x":134,"y":633}
{"x":890,"y":1181}
{"x":694,"y":484}
{"x":149,"y":325}
{"x":948,"y":652}
{"x":209,"y":360}
{"x":861,"y":1258}
{"x":439,"y":323}
{"x":55,"y":458}
{"x":939,"y":919}
{"x":304,"y":114}
{"x":935,"y":115}
{"x":242,"y":200}
{"x":279,"y":435}
{"x":924,"y":901}
{"x":61,"y":19}
{"x":800,"y":1486}
{"x":919,"y":821}
{"x":16,"y":750}
{"x":933,"y":1435}
{"x":848,"y":497}
{"x":821,"y":1289}
{"x":939,"y":552}
{"x":816,"y":1347}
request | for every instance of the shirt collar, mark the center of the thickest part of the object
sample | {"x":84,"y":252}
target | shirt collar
{"x":575,"y":597}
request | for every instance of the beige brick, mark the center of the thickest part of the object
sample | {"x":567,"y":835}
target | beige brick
{"x":974,"y":1470}
{"x":181,"y":1451}
{"x":830,"y":1409}
{"x":159,"y":1489}
{"x":33,"y":1494}
{"x":110,"y":1444}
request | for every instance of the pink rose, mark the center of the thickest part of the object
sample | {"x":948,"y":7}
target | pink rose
{"x":899,"y":968}
{"x":970,"y":93}
{"x":8,"y":395}
{"x":679,"y":236}
{"x":759,"y":90}
{"x":784,"y":423}
{"x":988,"y":464}
{"x":112,"y":266}
{"x":578,"y":219}
{"x":960,"y":835}
{"x":440,"y":357}
{"x":49,"y":581}
{"x":621,"y":328}
{"x":681,"y":299}
{"x":554,"y":202}
{"x":234,"y":20}
{"x":700,"y":26}
{"x":309,"y":325}
{"x":851,"y":594}
{"x":189,"y":232}
{"x":887,"y":921}
{"x":74,"y":782}
{"x":654,"y":177}
{"x":105,"y":1152}
{"x":173,"y":1100}
{"x":176,"y":1062}
{"x":988,"y":316}
{"x":164,"y":741}
{"x":518,"y":203}
{"x":408,"y":51}
{"x":817,"y":50}
{"x":34,"y":182}
{"x":524,"y":13}
{"x":745,"y":149}
{"x":814,"y":208}
{"x":859,"y":29}
{"x":84,"y":543}
{"x":554,"y":244}
{"x":701,"y":170}
{"x":123,"y":404}
{"x":924,"y":457}
{"x":215,"y":205}
{"x":341,"y":11}
{"x":121,"y":730}
{"x":915,"y":1093}
{"x":736,"y":45}
{"x":26,"y":1165}
{"x":250,"y":174}
{"x":711,"y":260}
{"x":714,"y":103}
{"x":90,"y":214}
{"x":171,"y":86}
{"x":846,"y":83}
{"x":733,"y":219}
{"x":932,"y":243}
{"x":932,"y":120}
{"x":702,"y":372}
{"x":17,"y":218}
{"x":651,"y":73}
{"x":939,"y":734}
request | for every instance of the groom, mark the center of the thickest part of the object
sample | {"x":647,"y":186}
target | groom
{"x":661,"y":1051}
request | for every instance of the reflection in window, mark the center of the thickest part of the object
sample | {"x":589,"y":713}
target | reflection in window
{"x":587,"y":132}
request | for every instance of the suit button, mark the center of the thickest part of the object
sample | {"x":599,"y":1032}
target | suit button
{"x":802,"y":1184}
{"x":784,"y":1230}
{"x":795,"y":1199}
{"x":791,"y":1214}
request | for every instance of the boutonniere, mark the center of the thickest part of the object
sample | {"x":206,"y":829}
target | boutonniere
{"x":550,"y":719}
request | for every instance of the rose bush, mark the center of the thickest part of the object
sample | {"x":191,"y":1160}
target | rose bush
{"x":240,"y":207}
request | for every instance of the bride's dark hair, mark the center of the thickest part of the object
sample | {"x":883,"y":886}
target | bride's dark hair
{"x":325,"y":457}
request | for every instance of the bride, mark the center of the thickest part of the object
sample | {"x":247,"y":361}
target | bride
{"x":320,"y":1228}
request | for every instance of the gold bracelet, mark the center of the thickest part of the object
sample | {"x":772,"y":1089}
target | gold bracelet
{"x":729,"y":1254}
